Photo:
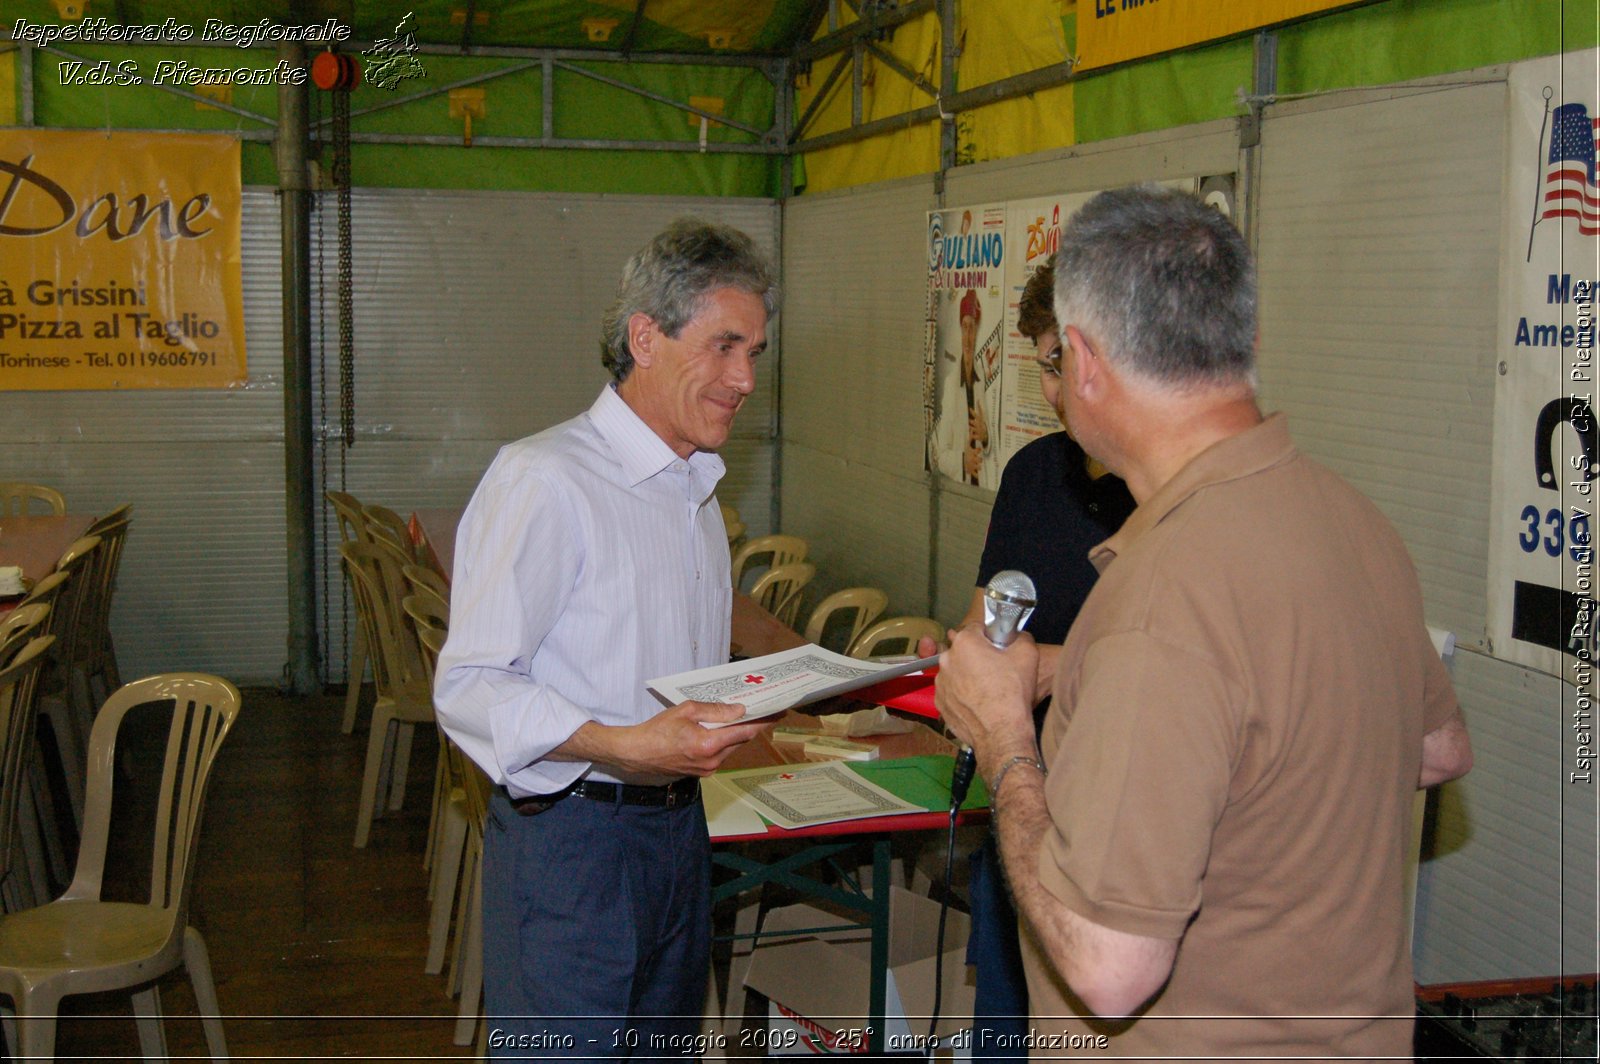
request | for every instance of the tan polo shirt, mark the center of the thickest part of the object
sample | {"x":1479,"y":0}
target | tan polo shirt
{"x":1235,"y":743}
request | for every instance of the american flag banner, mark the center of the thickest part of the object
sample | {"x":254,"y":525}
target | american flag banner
{"x":1569,"y":176}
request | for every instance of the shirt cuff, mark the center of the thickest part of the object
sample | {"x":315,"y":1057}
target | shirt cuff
{"x":524,"y":738}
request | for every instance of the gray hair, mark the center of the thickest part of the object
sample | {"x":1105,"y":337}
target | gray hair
{"x":670,"y":277}
{"x":1163,"y":283}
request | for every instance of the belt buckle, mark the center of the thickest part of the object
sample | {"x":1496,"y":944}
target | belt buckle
{"x":676,"y":798}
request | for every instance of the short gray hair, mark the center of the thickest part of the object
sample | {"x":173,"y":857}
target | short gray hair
{"x":1163,"y":283}
{"x":670,"y":277}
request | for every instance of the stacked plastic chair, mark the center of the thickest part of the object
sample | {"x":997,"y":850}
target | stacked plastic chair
{"x":778,"y":591}
{"x":18,"y":499}
{"x":461,"y":811}
{"x":97,"y":654}
{"x":47,"y":594}
{"x":23,"y":653}
{"x":897,"y":635}
{"x":731,"y":522}
{"x":352,"y":529}
{"x":66,"y":701}
{"x":404,"y":697}
{"x":773,"y":550}
{"x":863,"y":605}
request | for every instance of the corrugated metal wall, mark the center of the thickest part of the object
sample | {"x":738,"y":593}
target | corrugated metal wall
{"x":852,"y":389}
{"x":476,"y":322}
{"x":477,"y":318}
{"x":1382,"y":351}
{"x":203,"y":573}
{"x":1379,"y":244}
{"x":853,"y":483}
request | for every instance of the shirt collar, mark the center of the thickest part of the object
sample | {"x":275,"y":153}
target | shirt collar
{"x":1257,"y":448}
{"x":641,"y":453}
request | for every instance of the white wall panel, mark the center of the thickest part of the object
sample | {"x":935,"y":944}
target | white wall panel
{"x":866,"y":526}
{"x":855,"y":269}
{"x":477,"y":322}
{"x":477,"y":319}
{"x":1379,"y":257}
{"x":1510,"y":892}
{"x":203,"y":573}
{"x":1379,"y":251}
{"x":852,"y":482}
{"x":963,"y":526}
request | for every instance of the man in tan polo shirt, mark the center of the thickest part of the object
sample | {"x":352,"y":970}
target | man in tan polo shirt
{"x":1208,"y":850}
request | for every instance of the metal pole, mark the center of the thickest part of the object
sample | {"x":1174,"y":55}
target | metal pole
{"x":294,"y":204}
{"x":25,"y":83}
{"x":1264,"y":87}
{"x":947,"y":90}
{"x":947,"y":160}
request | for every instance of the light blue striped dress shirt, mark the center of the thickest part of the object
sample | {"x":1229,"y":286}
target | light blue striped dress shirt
{"x":590,"y":560}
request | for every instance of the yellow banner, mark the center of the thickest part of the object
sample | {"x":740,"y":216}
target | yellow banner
{"x":119,"y":261}
{"x":1110,"y":31}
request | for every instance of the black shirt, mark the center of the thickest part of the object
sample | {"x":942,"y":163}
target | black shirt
{"x":1047,"y":515}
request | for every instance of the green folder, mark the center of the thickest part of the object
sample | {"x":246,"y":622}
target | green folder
{"x":923,"y":781}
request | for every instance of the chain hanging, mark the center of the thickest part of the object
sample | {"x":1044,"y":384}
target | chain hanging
{"x":347,"y":352}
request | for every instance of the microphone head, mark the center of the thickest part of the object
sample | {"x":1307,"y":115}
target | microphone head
{"x":1008,"y":602}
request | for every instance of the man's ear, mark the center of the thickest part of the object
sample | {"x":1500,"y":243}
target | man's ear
{"x":641,"y":338}
{"x":1084,"y":368}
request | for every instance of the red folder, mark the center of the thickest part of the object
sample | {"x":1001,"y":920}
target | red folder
{"x":913,"y":694}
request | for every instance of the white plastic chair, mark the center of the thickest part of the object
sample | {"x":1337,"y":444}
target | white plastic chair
{"x":16,"y":498}
{"x":778,"y":590}
{"x":777,"y":549}
{"x":731,"y":521}
{"x":22,"y":655}
{"x":866,"y":605}
{"x":80,"y":944}
{"x":352,"y":528}
{"x":404,"y":698}
{"x":897,"y":635}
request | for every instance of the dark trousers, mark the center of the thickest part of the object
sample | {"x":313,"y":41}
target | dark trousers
{"x":1000,"y":998}
{"x":596,"y":930}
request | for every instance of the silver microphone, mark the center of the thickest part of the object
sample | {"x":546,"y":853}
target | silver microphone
{"x":1008,"y":602}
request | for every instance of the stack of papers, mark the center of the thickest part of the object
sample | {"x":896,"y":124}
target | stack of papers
{"x":776,"y":682}
{"x":798,"y":796}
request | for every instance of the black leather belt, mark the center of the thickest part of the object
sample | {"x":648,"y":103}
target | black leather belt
{"x":666,"y":795}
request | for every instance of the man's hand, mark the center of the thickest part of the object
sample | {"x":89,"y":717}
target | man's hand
{"x":986,"y":696}
{"x":978,"y":427}
{"x":972,"y":460}
{"x":671,"y":743}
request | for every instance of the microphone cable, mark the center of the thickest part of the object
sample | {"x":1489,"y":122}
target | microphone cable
{"x":944,"y":911}
{"x":1008,"y":603}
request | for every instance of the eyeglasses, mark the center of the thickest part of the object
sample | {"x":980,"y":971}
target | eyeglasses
{"x":1050,"y":364}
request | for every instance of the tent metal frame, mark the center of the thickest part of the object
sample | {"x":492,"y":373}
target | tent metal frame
{"x":291,"y":133}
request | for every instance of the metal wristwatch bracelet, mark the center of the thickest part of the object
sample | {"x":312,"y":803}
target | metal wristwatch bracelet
{"x":1000,"y":777}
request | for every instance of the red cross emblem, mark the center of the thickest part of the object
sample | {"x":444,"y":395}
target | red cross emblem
{"x":786,"y":775}
{"x":755,"y":678}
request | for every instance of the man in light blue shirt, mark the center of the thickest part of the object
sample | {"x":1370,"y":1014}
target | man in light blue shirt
{"x":591,"y":559}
